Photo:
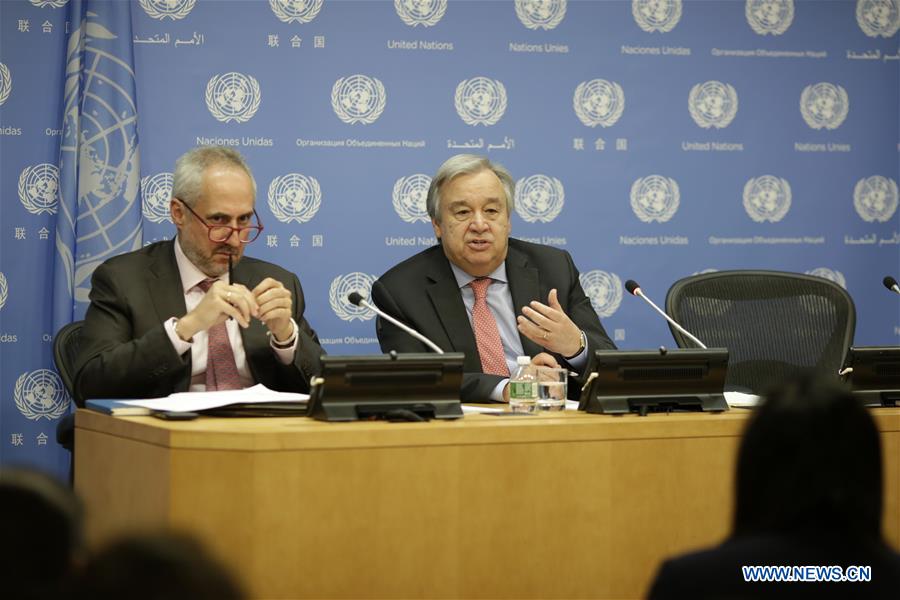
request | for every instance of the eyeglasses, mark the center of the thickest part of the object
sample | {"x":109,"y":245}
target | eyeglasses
{"x":222,"y":233}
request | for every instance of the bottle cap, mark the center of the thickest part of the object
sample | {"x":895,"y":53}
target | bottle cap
{"x":523,"y":360}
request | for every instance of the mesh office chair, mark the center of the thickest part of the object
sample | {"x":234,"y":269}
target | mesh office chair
{"x":65,"y":352}
{"x":775,"y":325}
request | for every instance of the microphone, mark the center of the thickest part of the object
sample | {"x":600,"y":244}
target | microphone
{"x":634,"y":289}
{"x":891,"y":284}
{"x":357,"y":300}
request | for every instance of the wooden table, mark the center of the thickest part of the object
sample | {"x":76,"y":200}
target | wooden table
{"x":569,"y":505}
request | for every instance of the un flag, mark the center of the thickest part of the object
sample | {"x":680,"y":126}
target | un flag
{"x":99,"y":163}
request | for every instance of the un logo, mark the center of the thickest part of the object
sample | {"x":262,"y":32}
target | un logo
{"x":38,"y":186}
{"x":294,"y":197}
{"x":767,"y":198}
{"x":49,"y":3}
{"x":156,"y":191}
{"x":824,"y":105}
{"x":598,"y":102}
{"x":5,"y":83}
{"x":358,"y":99}
{"x":540,"y":14}
{"x":302,"y":11}
{"x":172,"y":9}
{"x":604,"y":290}
{"x":830,"y":275}
{"x":4,"y":290}
{"x":343,"y":286}
{"x":875,"y":198}
{"x":539,"y":198}
{"x":480,"y":101}
{"x":232,"y":97}
{"x":420,"y":12}
{"x":410,"y":195}
{"x":769,"y":16}
{"x":656,"y":15}
{"x":713,"y":104}
{"x":878,"y":17}
{"x":655,"y":198}
{"x":40,"y":394}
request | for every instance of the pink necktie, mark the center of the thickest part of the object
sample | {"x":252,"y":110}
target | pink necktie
{"x":487,"y":336}
{"x":221,"y":370}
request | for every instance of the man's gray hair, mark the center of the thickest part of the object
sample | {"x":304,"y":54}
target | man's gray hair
{"x":187,"y":181}
{"x":466,"y":164}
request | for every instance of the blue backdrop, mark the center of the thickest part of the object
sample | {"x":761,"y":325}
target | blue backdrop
{"x":652,"y":140}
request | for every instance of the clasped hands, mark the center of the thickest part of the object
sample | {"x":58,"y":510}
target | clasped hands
{"x":270,"y":302}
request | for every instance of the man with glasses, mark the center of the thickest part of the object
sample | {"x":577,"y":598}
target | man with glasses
{"x":194,"y":313}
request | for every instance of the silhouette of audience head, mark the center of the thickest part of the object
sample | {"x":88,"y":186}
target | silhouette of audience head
{"x":156,"y":566}
{"x":41,"y":521}
{"x":810,"y":459}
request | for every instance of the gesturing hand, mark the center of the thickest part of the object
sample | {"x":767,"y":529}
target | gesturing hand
{"x":275,"y":308}
{"x":549,"y":326}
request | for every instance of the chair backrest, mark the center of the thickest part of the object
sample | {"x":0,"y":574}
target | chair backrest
{"x":775,"y":325}
{"x":66,"y":346}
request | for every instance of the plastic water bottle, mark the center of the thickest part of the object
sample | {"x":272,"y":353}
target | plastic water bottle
{"x":523,"y":386}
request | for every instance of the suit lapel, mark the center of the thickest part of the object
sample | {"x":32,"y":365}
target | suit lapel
{"x":450,"y":310}
{"x":253,"y":337}
{"x":524,"y":286}
{"x":165,"y":285}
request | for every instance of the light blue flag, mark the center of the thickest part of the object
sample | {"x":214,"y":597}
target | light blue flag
{"x":99,"y":166}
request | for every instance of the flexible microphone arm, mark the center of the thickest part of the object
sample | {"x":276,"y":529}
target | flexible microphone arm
{"x":356,"y":299}
{"x":635,"y":289}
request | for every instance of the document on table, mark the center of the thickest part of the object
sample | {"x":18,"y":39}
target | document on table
{"x":197,"y":401}
{"x":741,"y":400}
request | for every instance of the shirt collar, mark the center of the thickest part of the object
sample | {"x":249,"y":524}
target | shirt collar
{"x":191,"y":276}
{"x":463,"y":279}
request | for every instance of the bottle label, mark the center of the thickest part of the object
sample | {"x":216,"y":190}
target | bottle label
{"x":525,"y":390}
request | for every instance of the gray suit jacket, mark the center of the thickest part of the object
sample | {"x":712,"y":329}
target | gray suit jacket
{"x":125,"y":352}
{"x":422,"y":292}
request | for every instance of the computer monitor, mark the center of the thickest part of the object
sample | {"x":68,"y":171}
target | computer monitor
{"x":388,"y":386}
{"x":875,"y":378}
{"x":642,"y":381}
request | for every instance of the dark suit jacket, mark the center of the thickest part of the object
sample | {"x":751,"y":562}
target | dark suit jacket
{"x":422,"y":292}
{"x":125,"y":352}
{"x":716,"y":573}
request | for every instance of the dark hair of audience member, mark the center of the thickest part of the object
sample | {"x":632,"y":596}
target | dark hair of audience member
{"x":156,"y":566}
{"x":810,"y":460}
{"x":41,"y":521}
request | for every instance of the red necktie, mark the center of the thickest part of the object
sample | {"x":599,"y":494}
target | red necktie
{"x":487,"y":336}
{"x":221,"y":370}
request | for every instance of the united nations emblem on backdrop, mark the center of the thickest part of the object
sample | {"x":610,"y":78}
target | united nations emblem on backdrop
{"x":233,"y":97}
{"x":875,"y":198}
{"x":358,"y":99}
{"x":604,"y":291}
{"x":420,"y":12}
{"x":655,"y":198}
{"x":830,"y":275}
{"x":156,"y":191}
{"x":769,"y":17}
{"x":598,"y":102}
{"x":344,"y":285}
{"x":294,"y":197}
{"x":168,"y":9}
{"x":38,"y":186}
{"x":541,"y":14}
{"x":713,"y":104}
{"x":410,"y":196}
{"x":824,"y":105}
{"x":767,"y":198}
{"x":656,"y":15}
{"x":5,"y":83}
{"x":480,"y":101}
{"x":40,"y":394}
{"x":4,"y":290}
{"x":302,"y":11}
{"x":539,"y":198}
{"x":49,"y":3}
{"x":878,"y":17}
